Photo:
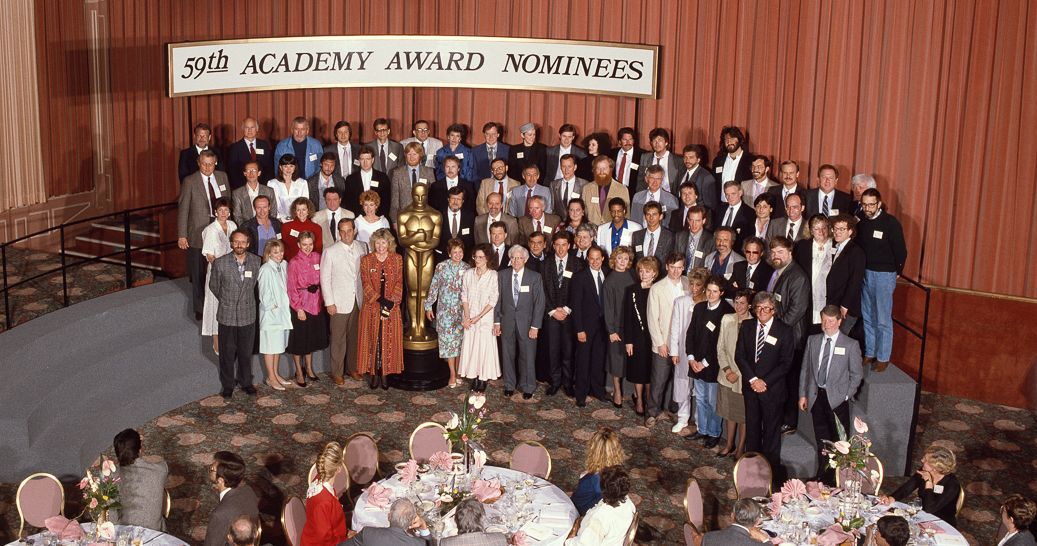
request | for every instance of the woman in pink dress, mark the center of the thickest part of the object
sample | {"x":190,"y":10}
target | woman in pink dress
{"x":479,"y":293}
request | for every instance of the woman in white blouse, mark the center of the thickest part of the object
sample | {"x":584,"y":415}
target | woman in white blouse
{"x":369,"y":222}
{"x":215,"y":243}
{"x":288,"y":187}
{"x":608,"y":523}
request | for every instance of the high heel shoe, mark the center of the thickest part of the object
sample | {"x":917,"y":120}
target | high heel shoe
{"x":283,"y":381}
{"x":275,"y":385}
{"x":312,"y":377}
{"x":301,"y":383}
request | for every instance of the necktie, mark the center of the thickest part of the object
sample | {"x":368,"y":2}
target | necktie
{"x":651,"y":245}
{"x":413,"y":177}
{"x":538,"y":229}
{"x":212,"y":196}
{"x":252,"y":150}
{"x":334,"y":230}
{"x":565,"y":192}
{"x":773,"y":281}
{"x":759,"y":342}
{"x":656,"y":160}
{"x":622,"y":167}
{"x":792,"y":232}
{"x":500,"y":257}
{"x":561,"y":270}
{"x":728,"y":216}
{"x":529,"y":199}
{"x":824,"y":206}
{"x":749,"y":273}
{"x":381,"y":156}
{"x":500,"y":190}
{"x":515,"y":287}
{"x":453,"y":224}
{"x":597,"y":282}
{"x":826,"y":357}
{"x":343,"y":161}
{"x":493,"y":152}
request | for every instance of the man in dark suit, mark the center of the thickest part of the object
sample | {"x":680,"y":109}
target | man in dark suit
{"x":659,"y":155}
{"x":233,"y":282}
{"x":249,"y":149}
{"x":654,"y":240}
{"x":733,"y":163}
{"x":695,"y":242}
{"x":846,"y":276}
{"x":440,"y":188}
{"x":791,"y":290}
{"x":626,"y":157}
{"x":559,"y":269}
{"x":499,"y":245}
{"x":764,"y":356}
{"x":736,"y":214}
{"x":587,"y":297}
{"x":327,"y":177}
{"x":567,"y":187}
{"x":830,"y":374}
{"x":262,"y":227}
{"x":388,"y":154}
{"x":565,"y":146}
{"x":458,"y":223}
{"x":788,"y":175}
{"x":826,"y":199}
{"x":188,"y":163}
{"x":754,"y":272}
{"x":367,"y":178}
{"x":347,"y":154}
{"x":694,"y":172}
{"x":517,"y":319}
{"x":492,"y":148}
{"x":746,"y":518}
{"x":406,"y":528}
{"x":406,"y":176}
{"x":195,"y":210}
{"x":528,"y":153}
{"x":226,"y":473}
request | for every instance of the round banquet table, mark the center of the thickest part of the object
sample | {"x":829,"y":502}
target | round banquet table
{"x":150,"y":537}
{"x":926,"y":529}
{"x":549,"y":512}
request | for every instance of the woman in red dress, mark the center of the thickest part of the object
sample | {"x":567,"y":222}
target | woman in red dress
{"x":381,"y":324}
{"x":325,"y":521}
{"x":302,"y":212}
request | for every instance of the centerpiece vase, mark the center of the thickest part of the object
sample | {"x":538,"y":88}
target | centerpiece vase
{"x":100,"y":517}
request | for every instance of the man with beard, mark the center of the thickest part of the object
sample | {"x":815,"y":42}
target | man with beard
{"x":882,"y":238}
{"x":598,"y":195}
{"x":498,"y":182}
{"x":791,"y":290}
{"x":232,"y":280}
{"x":734,"y":162}
{"x":760,"y":182}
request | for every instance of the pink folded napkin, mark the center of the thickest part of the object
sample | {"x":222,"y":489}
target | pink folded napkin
{"x":518,"y":539}
{"x":379,"y":496}
{"x":833,"y":536}
{"x":793,"y":489}
{"x":814,"y":490}
{"x":441,"y":460}
{"x":64,"y":528}
{"x":932,"y":526}
{"x":775,"y":505}
{"x":486,"y":489}
{"x":409,"y":472}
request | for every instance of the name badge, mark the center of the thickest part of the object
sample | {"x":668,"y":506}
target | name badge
{"x":278,"y":235}
{"x":595,"y":200}
{"x":877,"y":234}
{"x":738,"y":230}
{"x":520,"y":155}
{"x":422,"y":181}
{"x":313,"y":157}
{"x":464,"y":231}
{"x":567,"y":274}
{"x":698,"y":253}
{"x":771,"y":340}
{"x":638,"y":248}
{"x":727,"y":276}
{"x":777,"y":297}
{"x":392,"y":156}
{"x":833,"y":212}
{"x":574,"y":195}
{"x":459,"y":156}
{"x":223,"y":187}
{"x":718,"y":170}
{"x":546,"y":229}
{"x":937,"y":489}
{"x":634,"y":166}
{"x":248,"y":274}
{"x":523,"y":289}
{"x":710,"y":326}
{"x":260,"y":151}
{"x":750,"y":284}
{"x":316,"y":267}
{"x":664,"y":209}
{"x":356,"y":161}
{"x":840,"y":351}
{"x":293,"y":233}
{"x":374,"y":183}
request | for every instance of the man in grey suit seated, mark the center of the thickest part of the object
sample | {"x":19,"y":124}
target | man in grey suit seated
{"x":142,"y":485}
{"x":469,"y":518}
{"x":406,"y":528}
{"x":746,"y":517}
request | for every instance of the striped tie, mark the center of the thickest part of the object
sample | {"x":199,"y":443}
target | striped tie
{"x":824,"y":207}
{"x":759,"y":342}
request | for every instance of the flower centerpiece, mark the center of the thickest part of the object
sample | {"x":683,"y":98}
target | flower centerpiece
{"x":101,"y":493}
{"x":851,"y":452}
{"x":465,"y":429}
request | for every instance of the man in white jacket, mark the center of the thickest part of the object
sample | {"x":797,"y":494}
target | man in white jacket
{"x":661,"y":297}
{"x":343,"y":294}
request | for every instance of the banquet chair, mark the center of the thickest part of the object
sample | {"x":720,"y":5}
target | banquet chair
{"x":693,"y":505}
{"x":628,"y":540}
{"x":532,"y":458}
{"x":428,"y":438}
{"x":361,"y":459}
{"x":293,"y":518}
{"x":167,"y":505}
{"x":961,"y":500}
{"x":340,"y":484}
{"x":868,"y":488}
{"x":39,"y":497}
{"x":752,"y":475}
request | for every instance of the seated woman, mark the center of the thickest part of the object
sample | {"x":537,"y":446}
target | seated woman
{"x":936,"y":485}
{"x":469,"y":518}
{"x":141,"y":489}
{"x":603,"y":450}
{"x":609,"y":521}
{"x":325,"y":521}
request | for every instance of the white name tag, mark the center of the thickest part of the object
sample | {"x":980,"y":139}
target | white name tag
{"x":546,"y":229}
{"x":594,"y":200}
{"x":374,"y":183}
{"x":223,"y":187}
{"x":293,"y":233}
{"x":260,"y":151}
{"x":937,"y":489}
{"x":718,"y":170}
{"x":727,"y":276}
{"x":392,"y":156}
{"x":520,"y":155}
{"x":634,"y":166}
{"x":316,"y":267}
{"x":638,"y":248}
{"x":313,"y":157}
{"x":771,"y":340}
{"x":248,"y":274}
{"x":356,"y":161}
{"x":750,"y":284}
{"x":574,"y":195}
{"x":664,"y":209}
{"x":777,"y":297}
{"x":464,"y":231}
{"x":840,"y":351}
{"x":459,"y":156}
{"x":523,"y":289}
{"x":422,"y":181}
{"x":278,"y":235}
{"x":833,"y":212}
{"x":698,"y":253}
{"x":877,"y":234}
{"x":710,"y":326}
{"x":567,"y":274}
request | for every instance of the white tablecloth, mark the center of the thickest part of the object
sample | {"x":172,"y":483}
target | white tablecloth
{"x":553,"y":512}
{"x":149,"y":537}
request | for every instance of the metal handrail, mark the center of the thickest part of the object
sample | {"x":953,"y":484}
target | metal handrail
{"x":126,"y":252}
{"x":922,"y":337}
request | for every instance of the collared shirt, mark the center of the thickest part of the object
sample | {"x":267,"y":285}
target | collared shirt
{"x":796,"y":228}
{"x":560,"y":262}
{"x":821,"y":355}
{"x":211,"y":182}
{"x":599,"y":280}
{"x":733,"y":211}
{"x":265,"y":233}
{"x":663,"y":161}
{"x":624,"y":177}
{"x":500,"y":253}
{"x":413,"y":174}
{"x":450,"y":183}
{"x":454,"y":219}
{"x":252,"y":194}
{"x":617,"y":234}
{"x":345,"y":157}
{"x":691,"y":174}
{"x":785,"y":192}
{"x":821,"y":200}
{"x":561,"y":152}
{"x":323,"y":183}
{"x":365,"y":178}
{"x":517,"y":275}
{"x":224,"y":493}
{"x":759,"y":188}
{"x":730,"y":166}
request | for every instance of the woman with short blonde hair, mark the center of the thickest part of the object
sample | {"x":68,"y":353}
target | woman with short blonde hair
{"x":368,"y":221}
{"x":603,"y":451}
{"x":935,"y":483}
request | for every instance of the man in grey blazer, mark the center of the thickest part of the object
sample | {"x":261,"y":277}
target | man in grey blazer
{"x":233,"y":282}
{"x":566,"y":188}
{"x":654,"y":240}
{"x":406,"y":528}
{"x":246,"y":194}
{"x":236,"y":498}
{"x":654,"y":192}
{"x":517,"y":319}
{"x":142,"y":485}
{"x":695,"y":242}
{"x":406,"y":176}
{"x":195,"y":210}
{"x":746,"y":518}
{"x":388,"y":154}
{"x":326,"y":177}
{"x":830,"y":375}
{"x":660,"y":155}
{"x":347,"y":154}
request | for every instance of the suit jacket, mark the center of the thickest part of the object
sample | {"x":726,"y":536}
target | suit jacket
{"x":560,"y":202}
{"x":517,"y":202}
{"x":665,"y":198}
{"x":846,"y":278}
{"x":486,"y":188}
{"x":587,"y":304}
{"x":730,"y":536}
{"x":188,"y":162}
{"x":732,"y":259}
{"x":242,"y":209}
{"x":554,"y":157}
{"x":238,"y":155}
{"x":393,"y":155}
{"x":679,"y":218}
{"x":340,"y":283}
{"x":466,"y":232}
{"x":431,"y":146}
{"x":744,"y":222}
{"x":1022,"y":538}
{"x":775,"y":359}
{"x":706,"y":184}
{"x":505,"y":260}
{"x":780,"y":227}
{"x":673,"y":170}
{"x":526,"y":228}
{"x":532,"y":155}
{"x":696,"y":257}
{"x":307,"y":166}
{"x":558,"y":288}
{"x":437,"y":195}
{"x":663,"y":247}
{"x":591,"y":197}
{"x":747,"y":190}
{"x":792,"y":292}
{"x":482,"y":158}
{"x":475,"y":539}
{"x":316,"y":193}
{"x":758,"y":282}
{"x":779,"y":209}
{"x":384,"y":536}
{"x":323,"y":219}
{"x":744,"y":170}
{"x":482,"y":227}
{"x":841,"y":202}
{"x":354,"y":154}
{"x":379,"y":184}
{"x":633,"y":165}
{"x":529,"y":313}
{"x":239,"y":501}
{"x":252,"y":227}
{"x":193,"y":206}
{"x":604,"y":238}
{"x":142,"y":494}
{"x":236,"y":296}
{"x":401,"y":188}
{"x":844,"y":370}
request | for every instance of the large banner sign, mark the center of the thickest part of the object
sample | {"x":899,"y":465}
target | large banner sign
{"x":230,"y":66}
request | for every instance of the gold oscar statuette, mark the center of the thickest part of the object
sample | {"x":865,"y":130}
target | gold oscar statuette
{"x":419,"y":229}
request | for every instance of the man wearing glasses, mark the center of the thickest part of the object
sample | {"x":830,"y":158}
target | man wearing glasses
{"x":236,"y":498}
{"x":882,"y":238}
{"x":388,"y":154}
{"x":422,"y":132}
{"x":846,"y":276}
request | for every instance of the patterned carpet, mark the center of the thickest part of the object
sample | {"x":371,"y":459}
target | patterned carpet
{"x":279,"y":434}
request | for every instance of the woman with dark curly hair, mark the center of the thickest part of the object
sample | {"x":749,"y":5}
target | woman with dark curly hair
{"x":608,"y":522}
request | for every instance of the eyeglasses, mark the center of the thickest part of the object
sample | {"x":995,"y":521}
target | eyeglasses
{"x":869,"y":205}
{"x":421,"y":130}
{"x":382,"y":130}
{"x":765,"y":308}
{"x":752,"y":252}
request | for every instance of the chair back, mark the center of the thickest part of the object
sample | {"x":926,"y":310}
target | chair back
{"x":427,"y":439}
{"x":39,"y":497}
{"x":752,"y":476}
{"x":361,"y":458}
{"x":340,"y":484}
{"x":167,"y":505}
{"x":293,"y":518}
{"x":961,"y":500}
{"x":867,"y":486}
{"x":628,"y":540}
{"x":693,"y":504}
{"x":532,"y":458}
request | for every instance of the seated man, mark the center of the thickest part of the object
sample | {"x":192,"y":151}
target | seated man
{"x":405,"y":527}
{"x":892,"y":531}
{"x":469,"y":518}
{"x":244,"y":531}
{"x":141,"y":490}
{"x":746,"y":517}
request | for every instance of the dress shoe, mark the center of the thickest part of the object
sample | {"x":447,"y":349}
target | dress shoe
{"x":786,"y":430}
{"x":339,"y":380}
{"x":881,"y":365}
{"x":508,"y":394}
{"x":868,"y":361}
{"x":697,"y":436}
{"x":711,"y":443}
{"x":553,"y":390}
{"x":581,"y":403}
{"x":384,"y":383}
{"x":226,"y":394}
{"x":250,"y":390}
{"x":678,"y":427}
{"x":355,"y":376}
{"x":372,"y":381}
{"x":302,"y":383}
{"x":275,"y":385}
{"x":527,"y":395}
{"x":312,"y":377}
{"x":570,"y":392}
